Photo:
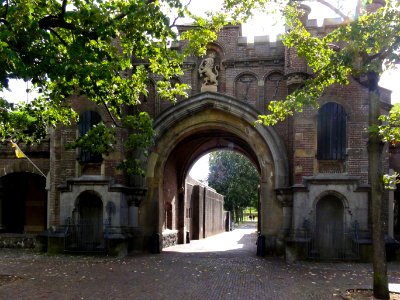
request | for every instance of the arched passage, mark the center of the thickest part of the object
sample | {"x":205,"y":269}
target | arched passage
{"x":23,"y":203}
{"x":203,"y":123}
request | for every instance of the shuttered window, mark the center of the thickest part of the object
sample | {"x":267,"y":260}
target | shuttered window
{"x":86,"y":121}
{"x":331,"y":132}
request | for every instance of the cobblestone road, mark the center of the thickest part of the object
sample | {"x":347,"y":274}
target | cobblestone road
{"x":220,"y":267}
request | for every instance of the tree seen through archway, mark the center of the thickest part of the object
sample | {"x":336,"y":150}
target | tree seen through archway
{"x":234,"y":176}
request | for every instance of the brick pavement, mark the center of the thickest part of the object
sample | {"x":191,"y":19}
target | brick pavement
{"x":220,"y":267}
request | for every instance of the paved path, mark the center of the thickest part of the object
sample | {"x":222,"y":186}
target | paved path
{"x":220,"y":267}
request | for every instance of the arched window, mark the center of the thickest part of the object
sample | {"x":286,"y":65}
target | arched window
{"x":86,"y":122}
{"x":331,"y":132}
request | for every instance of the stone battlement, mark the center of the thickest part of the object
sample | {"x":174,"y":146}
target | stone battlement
{"x":273,"y":41}
{"x":326,"y":22}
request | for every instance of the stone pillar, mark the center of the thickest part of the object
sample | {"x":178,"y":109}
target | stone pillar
{"x":133,"y":210}
{"x":285,"y":198}
{"x":149,"y":213}
{"x":390,"y":228}
{"x":47,"y":200}
{"x":271,"y":217}
{"x":133,"y":216}
{"x":260,"y":104}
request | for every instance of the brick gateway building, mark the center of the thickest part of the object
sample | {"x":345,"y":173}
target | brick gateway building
{"x":313,"y":167}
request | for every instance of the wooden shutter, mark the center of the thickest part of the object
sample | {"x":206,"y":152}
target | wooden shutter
{"x":331,"y":132}
{"x":86,"y":121}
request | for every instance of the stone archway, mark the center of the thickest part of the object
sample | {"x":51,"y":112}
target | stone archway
{"x":203,"y":123}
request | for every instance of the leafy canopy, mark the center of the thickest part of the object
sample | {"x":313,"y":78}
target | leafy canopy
{"x":102,"y":49}
{"x":234,"y":176}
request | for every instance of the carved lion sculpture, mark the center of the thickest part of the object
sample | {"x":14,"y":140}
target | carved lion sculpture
{"x":208,"y":70}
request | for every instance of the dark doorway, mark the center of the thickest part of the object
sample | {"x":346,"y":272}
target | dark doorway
{"x":87,"y":233}
{"x":329,"y":228}
{"x":89,"y":222}
{"x":23,"y":200}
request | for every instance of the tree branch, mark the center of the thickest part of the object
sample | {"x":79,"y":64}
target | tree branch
{"x":177,"y":17}
{"x":110,"y":114}
{"x":384,"y":54}
{"x":59,"y":37}
{"x":63,"y":8}
{"x":50,"y":22}
{"x":55,"y":22}
{"x":334,"y":9}
{"x":105,"y":104}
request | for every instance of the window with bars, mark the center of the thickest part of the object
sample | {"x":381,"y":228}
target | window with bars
{"x":331,"y":132}
{"x":86,"y":122}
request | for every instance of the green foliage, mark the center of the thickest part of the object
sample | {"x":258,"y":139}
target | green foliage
{"x":235,"y":177}
{"x":102,"y":49}
{"x":29,"y":122}
{"x":243,"y":10}
{"x":99,"y":140}
{"x":391,"y":181}
{"x":390,"y":128}
{"x":139,"y":141}
{"x":368,"y":44}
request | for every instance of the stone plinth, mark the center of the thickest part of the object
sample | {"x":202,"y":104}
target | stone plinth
{"x":209,"y":88}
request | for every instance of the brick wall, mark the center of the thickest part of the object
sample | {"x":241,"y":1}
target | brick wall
{"x":205,"y":210}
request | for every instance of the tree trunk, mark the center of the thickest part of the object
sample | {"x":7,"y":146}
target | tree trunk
{"x":237,"y":218}
{"x":375,"y":174}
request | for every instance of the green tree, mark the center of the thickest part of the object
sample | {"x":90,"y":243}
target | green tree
{"x":362,"y":47}
{"x":88,"y":47}
{"x":105,"y":50}
{"x":235,"y":177}
{"x":102,"y":49}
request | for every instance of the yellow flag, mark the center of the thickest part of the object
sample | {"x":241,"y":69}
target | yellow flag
{"x":18,"y":151}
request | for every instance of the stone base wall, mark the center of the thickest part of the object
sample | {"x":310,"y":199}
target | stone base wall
{"x":169,"y":238}
{"x":24,"y":241}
